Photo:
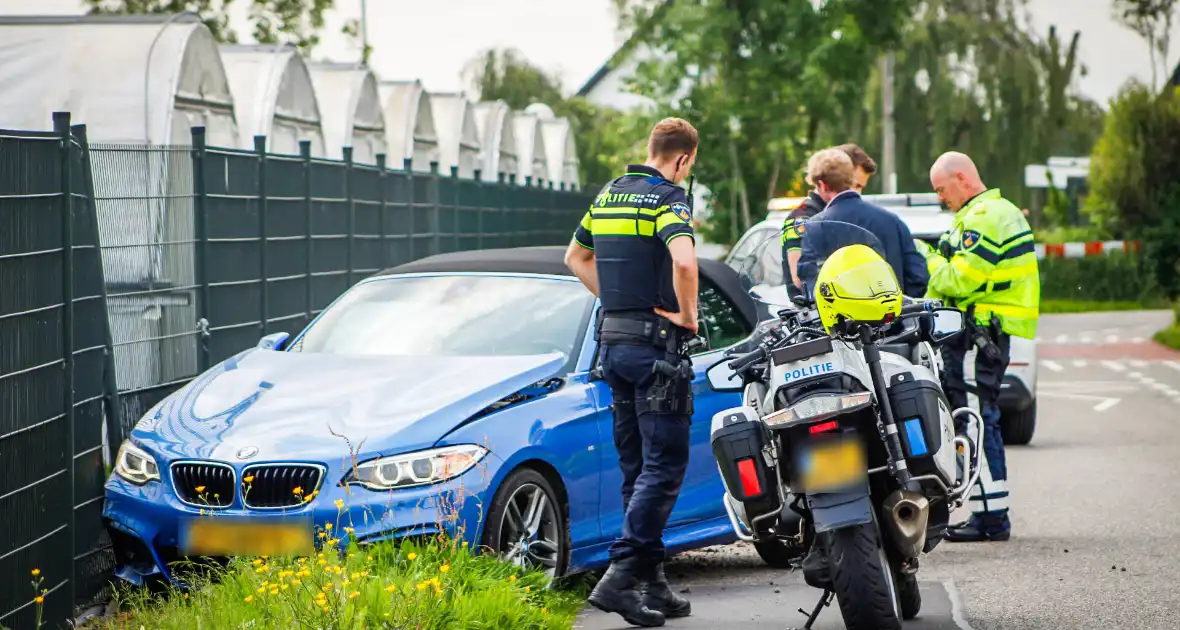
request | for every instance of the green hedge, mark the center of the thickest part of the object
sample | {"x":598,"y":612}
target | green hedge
{"x":1112,"y":277}
{"x":1170,"y":336}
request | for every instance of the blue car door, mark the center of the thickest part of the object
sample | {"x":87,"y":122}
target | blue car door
{"x":722,"y":326}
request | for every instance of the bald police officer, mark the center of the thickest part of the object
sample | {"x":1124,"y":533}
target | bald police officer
{"x":635,"y":250}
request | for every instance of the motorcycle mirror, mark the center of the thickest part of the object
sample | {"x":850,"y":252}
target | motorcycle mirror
{"x":948,"y":322}
{"x":719,"y":378}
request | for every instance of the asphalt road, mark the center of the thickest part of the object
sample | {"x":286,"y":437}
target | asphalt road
{"x":1096,"y":509}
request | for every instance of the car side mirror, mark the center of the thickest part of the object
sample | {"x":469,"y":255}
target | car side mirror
{"x":273,"y":341}
{"x":720,"y":377}
{"x":948,"y":322}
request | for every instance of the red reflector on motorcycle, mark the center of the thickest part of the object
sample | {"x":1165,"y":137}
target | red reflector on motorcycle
{"x":749,"y":477}
{"x":824,"y":427}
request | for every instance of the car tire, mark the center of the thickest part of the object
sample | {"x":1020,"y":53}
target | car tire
{"x":547,"y":543}
{"x":1018,"y":427}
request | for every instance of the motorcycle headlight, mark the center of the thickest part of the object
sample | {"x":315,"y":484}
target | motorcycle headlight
{"x":818,"y":408}
{"x":135,"y":464}
{"x":417,"y":469}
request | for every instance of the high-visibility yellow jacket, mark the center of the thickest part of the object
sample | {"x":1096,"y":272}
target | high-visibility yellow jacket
{"x":993,"y":266}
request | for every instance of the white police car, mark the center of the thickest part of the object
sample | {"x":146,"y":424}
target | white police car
{"x":759,"y":254}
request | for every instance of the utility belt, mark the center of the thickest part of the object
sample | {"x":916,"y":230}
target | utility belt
{"x":671,"y":392}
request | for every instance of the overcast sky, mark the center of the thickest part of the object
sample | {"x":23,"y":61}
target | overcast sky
{"x":431,"y":40}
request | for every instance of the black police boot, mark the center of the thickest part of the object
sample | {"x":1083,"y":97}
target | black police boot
{"x":658,"y":595}
{"x":618,"y":592}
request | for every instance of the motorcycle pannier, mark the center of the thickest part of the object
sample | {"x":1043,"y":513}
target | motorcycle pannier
{"x":738,"y":439}
{"x":917,"y":407}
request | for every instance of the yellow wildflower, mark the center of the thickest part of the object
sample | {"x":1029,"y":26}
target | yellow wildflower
{"x":308,"y":498}
{"x":327,"y":527}
{"x":369,"y":559}
{"x":295,"y":582}
{"x":422,"y":586}
{"x":257,"y":561}
{"x":528,"y":589}
{"x":35,"y":572}
{"x":329,"y":585}
{"x":339,"y":504}
{"x":200,"y":488}
{"x":297,"y":491}
{"x":544,"y":611}
{"x":444,"y":568}
{"x":262,"y":588}
{"x":346,"y":582}
{"x":274,"y":591}
{"x":323,"y":534}
{"x":323,"y":562}
{"x":325,"y":609}
{"x":348,"y":530}
{"x":248,"y":479}
{"x":249,"y":598}
{"x":391,"y":588}
{"x":39,"y":599}
{"x":353,"y":595}
{"x":512,"y":578}
{"x":411,"y":556}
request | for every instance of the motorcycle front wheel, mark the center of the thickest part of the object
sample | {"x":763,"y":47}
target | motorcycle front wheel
{"x":863,"y":580}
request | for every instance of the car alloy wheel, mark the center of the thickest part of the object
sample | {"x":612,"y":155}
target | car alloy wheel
{"x":527,"y":528}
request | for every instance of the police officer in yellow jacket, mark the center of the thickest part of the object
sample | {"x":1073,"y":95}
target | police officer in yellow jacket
{"x":986,"y":266}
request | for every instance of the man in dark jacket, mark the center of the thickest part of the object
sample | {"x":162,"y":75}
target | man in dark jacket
{"x":833,"y":174}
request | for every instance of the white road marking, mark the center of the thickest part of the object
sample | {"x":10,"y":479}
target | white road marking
{"x":1114,"y":365}
{"x":1038,"y":339}
{"x":1163,"y":387}
{"x":1139,"y":363}
{"x":1087,"y":339}
{"x":1175,"y":365}
{"x":957,"y":607}
{"x":1137,"y":340}
{"x":1112,"y":339}
{"x":1062,"y":338}
{"x":1078,"y":363}
{"x":1106,"y":404}
{"x":1053,"y":365}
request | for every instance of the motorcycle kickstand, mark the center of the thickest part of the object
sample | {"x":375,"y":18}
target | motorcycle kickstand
{"x":824,"y":601}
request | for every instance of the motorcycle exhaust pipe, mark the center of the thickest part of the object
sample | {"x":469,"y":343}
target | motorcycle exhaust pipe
{"x":907,"y":513}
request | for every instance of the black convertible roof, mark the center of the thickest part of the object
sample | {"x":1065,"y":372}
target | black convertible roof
{"x":551,"y":260}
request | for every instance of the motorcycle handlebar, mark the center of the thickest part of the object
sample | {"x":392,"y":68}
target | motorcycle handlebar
{"x":917,"y":307}
{"x":746,"y":360}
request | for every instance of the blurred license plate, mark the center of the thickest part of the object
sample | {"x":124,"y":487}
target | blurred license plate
{"x":831,"y":464}
{"x":221,"y":536}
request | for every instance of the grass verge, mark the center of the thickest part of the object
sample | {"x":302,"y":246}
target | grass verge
{"x":1170,"y":336}
{"x":432,"y":585}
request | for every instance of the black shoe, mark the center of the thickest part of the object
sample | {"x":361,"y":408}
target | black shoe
{"x":658,"y":595}
{"x":971,"y":531}
{"x":618,"y":592}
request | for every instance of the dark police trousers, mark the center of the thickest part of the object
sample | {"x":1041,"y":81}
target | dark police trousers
{"x":988,"y":500}
{"x":653,"y":450}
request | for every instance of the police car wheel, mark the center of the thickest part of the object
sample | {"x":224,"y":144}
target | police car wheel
{"x":526,"y":524}
{"x":1018,"y":427}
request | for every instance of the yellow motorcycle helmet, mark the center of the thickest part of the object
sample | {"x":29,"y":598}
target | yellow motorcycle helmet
{"x":856,"y":286}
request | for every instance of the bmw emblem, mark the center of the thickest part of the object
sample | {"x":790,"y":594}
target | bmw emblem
{"x":248,"y":452}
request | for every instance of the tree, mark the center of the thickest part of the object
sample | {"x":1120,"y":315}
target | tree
{"x":1135,"y":177}
{"x":1151,"y":20}
{"x":296,"y":22}
{"x":505,"y":75}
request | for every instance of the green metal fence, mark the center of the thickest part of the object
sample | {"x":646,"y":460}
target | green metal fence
{"x":55,"y":369}
{"x":175,"y":258}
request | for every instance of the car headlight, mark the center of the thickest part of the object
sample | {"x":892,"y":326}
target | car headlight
{"x":817,"y":408}
{"x":417,"y":469}
{"x":135,"y":464}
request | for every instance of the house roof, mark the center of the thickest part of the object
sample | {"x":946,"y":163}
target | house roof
{"x":621,"y":54}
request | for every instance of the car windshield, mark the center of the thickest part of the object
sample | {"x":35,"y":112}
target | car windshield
{"x":453,"y":315}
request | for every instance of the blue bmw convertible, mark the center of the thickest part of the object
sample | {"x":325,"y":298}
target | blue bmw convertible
{"x":454,"y":394}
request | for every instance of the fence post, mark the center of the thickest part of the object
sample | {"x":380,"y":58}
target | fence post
{"x":434,"y":194}
{"x":383,"y":258}
{"x":351,"y":205}
{"x":506,"y":212}
{"x":61,"y":125}
{"x":455,"y":208}
{"x":411,"y":235}
{"x":201,"y":246}
{"x":260,"y":151}
{"x":308,"y":221}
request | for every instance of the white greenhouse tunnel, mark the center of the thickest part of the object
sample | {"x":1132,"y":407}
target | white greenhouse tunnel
{"x":458,"y":134}
{"x":561,"y":152}
{"x":129,"y":79}
{"x":409,"y":125}
{"x":273,"y":97}
{"x":498,"y":150}
{"x":351,"y":111}
{"x":531,"y":159}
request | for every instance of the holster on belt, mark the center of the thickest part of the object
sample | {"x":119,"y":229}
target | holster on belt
{"x":984,"y":337}
{"x":671,"y":391}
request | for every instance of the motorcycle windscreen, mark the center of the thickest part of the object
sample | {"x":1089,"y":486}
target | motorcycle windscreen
{"x":821,"y":238}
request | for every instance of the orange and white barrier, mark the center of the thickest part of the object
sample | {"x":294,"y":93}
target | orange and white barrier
{"x":1081,"y":250}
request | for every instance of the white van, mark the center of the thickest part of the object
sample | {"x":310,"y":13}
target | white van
{"x":927,"y":221}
